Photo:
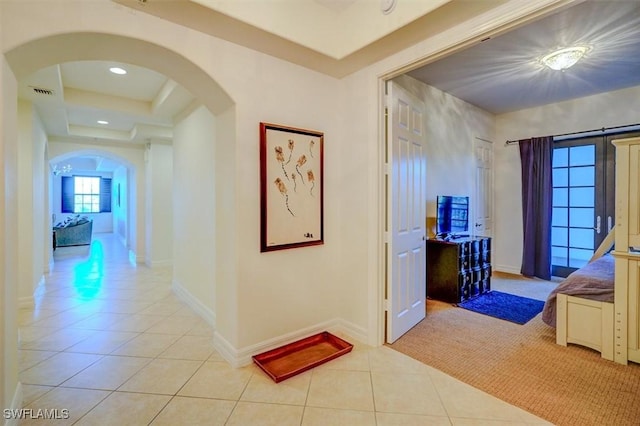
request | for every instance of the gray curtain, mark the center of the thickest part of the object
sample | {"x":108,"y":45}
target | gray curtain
{"x":537,"y":196}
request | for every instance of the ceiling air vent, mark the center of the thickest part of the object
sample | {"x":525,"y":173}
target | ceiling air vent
{"x":41,"y":91}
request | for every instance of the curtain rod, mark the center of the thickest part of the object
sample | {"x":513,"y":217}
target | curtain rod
{"x":602,"y":129}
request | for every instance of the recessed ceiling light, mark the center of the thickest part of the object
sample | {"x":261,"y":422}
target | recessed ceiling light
{"x":562,"y":59}
{"x":118,"y":70}
{"x":103,"y":122}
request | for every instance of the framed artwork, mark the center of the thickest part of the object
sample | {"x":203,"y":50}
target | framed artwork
{"x":291,"y":187}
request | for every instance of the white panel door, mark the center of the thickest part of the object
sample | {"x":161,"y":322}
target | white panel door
{"x":406,"y":198}
{"x":483,"y":209}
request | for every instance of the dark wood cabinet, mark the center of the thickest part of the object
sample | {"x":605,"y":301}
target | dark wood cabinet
{"x":458,"y":270}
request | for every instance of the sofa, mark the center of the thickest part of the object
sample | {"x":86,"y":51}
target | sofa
{"x":74,"y":231}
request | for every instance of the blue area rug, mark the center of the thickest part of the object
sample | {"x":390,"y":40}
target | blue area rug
{"x":505,"y":306}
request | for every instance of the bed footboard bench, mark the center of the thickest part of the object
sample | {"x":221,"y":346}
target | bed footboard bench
{"x":585,"y":322}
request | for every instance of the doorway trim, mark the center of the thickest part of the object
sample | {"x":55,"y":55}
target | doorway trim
{"x":498,"y":21}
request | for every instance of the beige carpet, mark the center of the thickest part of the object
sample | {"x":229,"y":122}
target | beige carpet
{"x":522,"y":365}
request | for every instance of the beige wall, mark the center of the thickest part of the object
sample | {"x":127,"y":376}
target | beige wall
{"x":25,"y":194}
{"x":611,"y":109}
{"x":8,"y":236}
{"x":451,"y":126}
{"x":194,"y":217}
{"x":159,"y":215}
{"x":121,"y":212}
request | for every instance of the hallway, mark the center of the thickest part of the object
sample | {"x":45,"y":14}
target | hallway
{"x":108,"y":343}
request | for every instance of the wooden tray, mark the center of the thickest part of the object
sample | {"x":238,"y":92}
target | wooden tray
{"x":302,"y":355}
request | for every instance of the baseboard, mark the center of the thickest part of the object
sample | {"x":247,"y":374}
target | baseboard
{"x":352,"y":330}
{"x":239,"y":358}
{"x":26,"y":302}
{"x":133,"y":258}
{"x":203,"y":311}
{"x":30,"y":301}
{"x":159,"y":263}
{"x":507,"y":269}
{"x":40,"y":288}
{"x":16,"y":405}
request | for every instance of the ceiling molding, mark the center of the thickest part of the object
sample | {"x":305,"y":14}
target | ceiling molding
{"x":446,"y":17}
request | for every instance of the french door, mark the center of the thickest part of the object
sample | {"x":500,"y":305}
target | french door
{"x":583,"y":199}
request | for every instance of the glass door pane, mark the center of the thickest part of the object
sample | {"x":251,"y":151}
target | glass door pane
{"x":583,"y":199}
{"x":575,"y":195}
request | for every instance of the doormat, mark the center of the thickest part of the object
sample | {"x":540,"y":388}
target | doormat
{"x":508,"y":307}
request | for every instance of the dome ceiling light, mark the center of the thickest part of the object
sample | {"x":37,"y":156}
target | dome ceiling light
{"x":562,"y":59}
{"x":118,"y":70}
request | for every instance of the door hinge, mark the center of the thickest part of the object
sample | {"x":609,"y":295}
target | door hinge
{"x":387,"y":305}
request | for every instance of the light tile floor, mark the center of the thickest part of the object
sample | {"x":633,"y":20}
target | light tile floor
{"x":110,"y":343}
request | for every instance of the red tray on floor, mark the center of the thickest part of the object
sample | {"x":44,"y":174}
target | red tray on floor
{"x":302,"y":355}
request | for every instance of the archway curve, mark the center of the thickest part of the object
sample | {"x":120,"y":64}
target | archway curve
{"x":40,"y":53}
{"x":92,"y":151}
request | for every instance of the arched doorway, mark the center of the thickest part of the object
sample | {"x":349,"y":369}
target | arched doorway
{"x":36,"y":54}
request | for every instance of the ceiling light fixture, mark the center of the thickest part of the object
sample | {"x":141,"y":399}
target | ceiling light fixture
{"x":103,"y":122}
{"x":562,"y":59}
{"x":118,"y":70}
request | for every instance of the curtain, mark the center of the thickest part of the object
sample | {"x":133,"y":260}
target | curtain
{"x":535,"y":157}
{"x":67,"y":193}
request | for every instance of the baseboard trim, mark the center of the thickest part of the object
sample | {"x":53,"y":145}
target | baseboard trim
{"x":29,"y":302}
{"x":242,"y":357}
{"x":26,"y":302}
{"x":159,"y":263}
{"x":16,"y":405}
{"x":203,"y":311}
{"x":40,"y":288}
{"x":135,"y":259}
{"x":507,"y":269}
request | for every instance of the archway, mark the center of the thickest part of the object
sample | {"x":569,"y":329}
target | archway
{"x":126,"y":181}
{"x":36,"y":54}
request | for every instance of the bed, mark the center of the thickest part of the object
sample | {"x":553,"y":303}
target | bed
{"x":581,"y":308}
{"x":586,"y":314}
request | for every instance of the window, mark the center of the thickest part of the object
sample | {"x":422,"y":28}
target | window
{"x":86,"y":194}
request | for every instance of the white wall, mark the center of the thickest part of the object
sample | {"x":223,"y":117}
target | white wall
{"x":159,"y":218}
{"x":611,"y":109}
{"x":8,"y":236}
{"x":41,"y":217}
{"x":31,"y":202}
{"x":296,"y":290}
{"x":119,"y":207}
{"x":194,"y":209}
{"x":451,"y":127}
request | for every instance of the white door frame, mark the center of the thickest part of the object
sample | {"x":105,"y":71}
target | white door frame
{"x":501,"y":19}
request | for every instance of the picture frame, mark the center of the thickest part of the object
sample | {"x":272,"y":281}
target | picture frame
{"x":291,"y":187}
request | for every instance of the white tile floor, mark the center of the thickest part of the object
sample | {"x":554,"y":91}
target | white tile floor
{"x":110,"y":343}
